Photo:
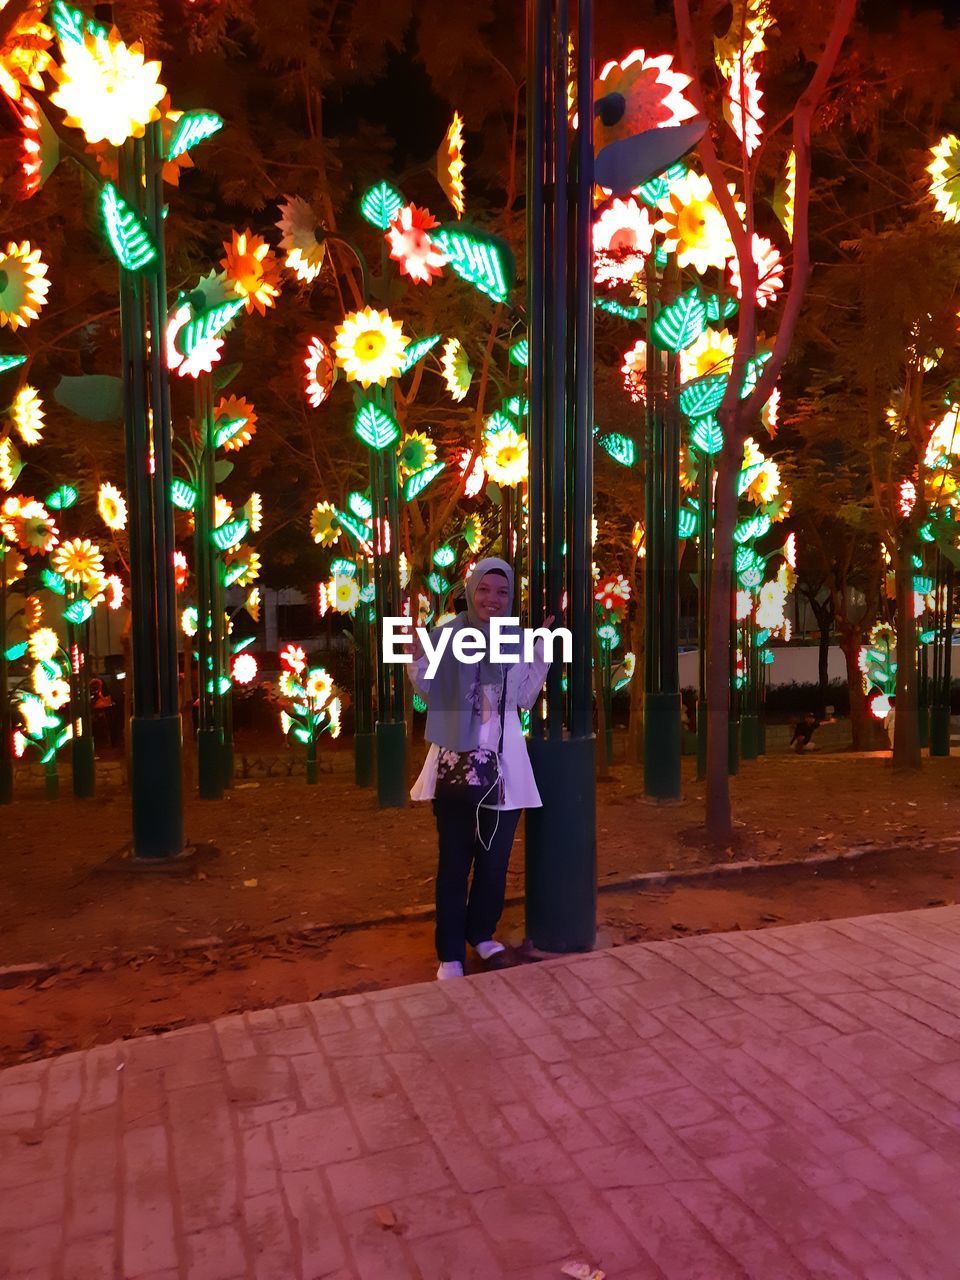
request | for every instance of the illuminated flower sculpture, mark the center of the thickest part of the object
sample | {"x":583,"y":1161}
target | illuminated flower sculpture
{"x":416,"y":452}
{"x":78,"y":560}
{"x":324,"y":525}
{"x":944,"y":171}
{"x":235,"y":422}
{"x":298,"y":226}
{"x":711,"y":354}
{"x":634,"y":370}
{"x":106,"y":89}
{"x":409,"y":240}
{"x":251,"y":268}
{"x":370,"y":346}
{"x":741,"y":105}
{"x":477,"y":477}
{"x":201,"y":359}
{"x":457,"y":373}
{"x":344,"y":593}
{"x":112,"y":507}
{"x":769,"y":271}
{"x":26,"y":413}
{"x":450,"y":165}
{"x":613,"y":594}
{"x":505,"y":458}
{"x":622,"y":239}
{"x":29,"y":524}
{"x":321,"y":372}
{"x":23,"y":289}
{"x":693,"y":225}
{"x":25,"y":55}
{"x":10,"y":463}
{"x":652,"y":92}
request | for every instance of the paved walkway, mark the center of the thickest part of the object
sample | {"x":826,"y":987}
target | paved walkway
{"x":774,"y":1105}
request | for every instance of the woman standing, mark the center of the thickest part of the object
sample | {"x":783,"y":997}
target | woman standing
{"x":472,"y":712}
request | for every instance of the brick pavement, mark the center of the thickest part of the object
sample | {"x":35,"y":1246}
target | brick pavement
{"x":775,"y":1105}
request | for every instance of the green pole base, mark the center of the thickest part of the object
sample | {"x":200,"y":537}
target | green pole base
{"x":210,"y":764}
{"x":701,"y":741}
{"x":6,"y":781}
{"x":561,"y":846}
{"x":83,"y":768}
{"x":311,"y":764}
{"x":940,"y":730}
{"x":733,"y":739}
{"x":923,"y":716}
{"x":51,"y":781}
{"x":157,"y":787}
{"x":749,"y":737}
{"x":762,"y":745}
{"x":661,"y":745}
{"x":227,"y":761}
{"x":391,"y":764}
{"x":608,"y":744}
{"x":363,"y":759}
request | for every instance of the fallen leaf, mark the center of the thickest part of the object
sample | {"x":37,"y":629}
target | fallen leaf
{"x":387,"y":1218}
{"x":250,"y":884}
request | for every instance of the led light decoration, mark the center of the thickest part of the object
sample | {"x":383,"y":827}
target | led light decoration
{"x":908,"y":497}
{"x":749,"y":22}
{"x":652,"y":92}
{"x":244,"y":668}
{"x":680,"y":323}
{"x":415,"y":484}
{"x":25,"y":56}
{"x":234,"y":422}
{"x":769,"y":271}
{"x":375,"y":427}
{"x":417,"y":350}
{"x":191,"y":128}
{"x":741,"y":103}
{"x":613,"y":594}
{"x":324,"y":524}
{"x":360,"y":505}
{"x":8,"y":362}
{"x":450,"y":165}
{"x":380,"y":205}
{"x":243,"y":567}
{"x":634,"y":370}
{"x":321,"y":372}
{"x":482,"y":260}
{"x":249,"y":265}
{"x":343,"y":594}
{"x":253,"y":512}
{"x":28,"y":523}
{"x":444,"y":557}
{"x":40,"y":146}
{"x":622,"y":239}
{"x":370,"y":346}
{"x":26,"y":414}
{"x":106,"y":89}
{"x":519,"y":353}
{"x":62,"y":498}
{"x":78,"y":560}
{"x":131,"y":242}
{"x":183,"y":495}
{"x":944,"y":171}
{"x":408,"y":238}
{"x":711,"y":355}
{"x":620,"y":448}
{"x":693,"y":225}
{"x":112,"y":506}
{"x":505,"y":458}
{"x":457,"y":373}
{"x":229,"y":534}
{"x":305,"y":249}
{"x":23,"y":284}
{"x":707,"y":436}
{"x":477,"y":477}
{"x":43,"y":644}
{"x":618,"y":309}
{"x":416,"y":452}
{"x":11,"y":464}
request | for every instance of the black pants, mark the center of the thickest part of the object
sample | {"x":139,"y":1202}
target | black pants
{"x":462,"y":918}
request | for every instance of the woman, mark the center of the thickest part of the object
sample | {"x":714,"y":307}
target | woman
{"x":463,"y":714}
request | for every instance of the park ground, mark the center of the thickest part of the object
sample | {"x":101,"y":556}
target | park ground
{"x":296,"y":892}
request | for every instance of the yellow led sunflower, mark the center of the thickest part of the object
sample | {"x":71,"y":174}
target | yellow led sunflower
{"x":944,"y":171}
{"x":106,"y":89}
{"x":32,"y":612}
{"x":343,"y":593}
{"x":222,"y":510}
{"x":253,"y":512}
{"x":319,"y":686}
{"x":505,"y":458}
{"x":12,"y":568}
{"x":232,"y":408}
{"x":416,"y":451}
{"x":252,"y":269}
{"x":78,"y":560}
{"x":324,"y":525}
{"x":321,"y":372}
{"x":250,"y":560}
{"x":188,"y":621}
{"x":25,"y":55}
{"x":369,"y":347}
{"x":298,"y":235}
{"x":52,"y":690}
{"x":765,"y":485}
{"x":712,"y":353}
{"x":43,"y":644}
{"x":23,"y":289}
{"x":252,"y":604}
{"x":112,"y":506}
{"x":450,"y":165}
{"x":457,"y":373}
{"x":11,"y":463}
{"x":692,"y":224}
{"x":26,"y":414}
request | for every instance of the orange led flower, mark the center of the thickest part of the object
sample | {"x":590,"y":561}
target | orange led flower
{"x":693,"y":225}
{"x":321,"y":372}
{"x":450,"y":165}
{"x":409,"y":239}
{"x":251,"y":268}
{"x":233,"y":407}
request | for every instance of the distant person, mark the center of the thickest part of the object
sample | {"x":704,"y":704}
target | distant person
{"x":101,"y":704}
{"x":477,"y":772}
{"x":804,"y":730}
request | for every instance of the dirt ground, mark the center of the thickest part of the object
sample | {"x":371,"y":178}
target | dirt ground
{"x":299,"y":891}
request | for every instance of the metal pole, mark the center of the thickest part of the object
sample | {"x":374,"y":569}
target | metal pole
{"x":6,"y":727}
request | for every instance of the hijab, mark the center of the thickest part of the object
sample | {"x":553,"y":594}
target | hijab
{"x":454,"y":702}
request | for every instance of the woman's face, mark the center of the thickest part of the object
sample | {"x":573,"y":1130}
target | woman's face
{"x":491,"y":599}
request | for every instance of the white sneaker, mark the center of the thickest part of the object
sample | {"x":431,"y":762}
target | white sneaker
{"x":449,"y":969}
{"x":489,"y":948}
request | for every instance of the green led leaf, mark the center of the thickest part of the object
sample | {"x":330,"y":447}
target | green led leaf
{"x":766,"y":657}
{"x":368,"y":593}
{"x":356,"y":528}
{"x":127,"y":232}
{"x":70,"y":24}
{"x":497,"y":422}
{"x":53,"y":581}
{"x":517,"y":406}
{"x":763,"y":635}
{"x":233,"y":572}
{"x":614,"y":308}
{"x":620,"y":448}
{"x":703,"y":397}
{"x":419,"y":704}
{"x":751,"y":578}
{"x":375,"y":427}
{"x":653,"y":191}
{"x":16,"y":651}
{"x":752,"y":374}
{"x":681,"y":323}
{"x":417,"y":350}
{"x":342,"y":568}
{"x":191,"y":128}
{"x":688,"y":521}
{"x":472,"y":532}
{"x":207,"y":324}
{"x":380,"y":205}
{"x":747,"y":477}
{"x":438,"y":583}
{"x":730,"y":307}
{"x":926,"y":533}
{"x":360,"y":505}
{"x":519,"y":353}
{"x":707,"y":436}
{"x":11,"y":362}
{"x":78,"y":612}
{"x":227,"y":429}
{"x":922,"y":585}
{"x":749,"y":530}
{"x":229,"y":534}
{"x":482,"y":260}
{"x":444,"y":557}
{"x":415,"y":484}
{"x":609,"y":635}
{"x":61,"y":499}
{"x":183,"y":495}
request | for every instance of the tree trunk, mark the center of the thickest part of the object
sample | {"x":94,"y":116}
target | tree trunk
{"x":635,"y":723}
{"x":823,"y":669}
{"x":867,"y":734}
{"x":718,"y":818}
{"x":906,"y":736}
